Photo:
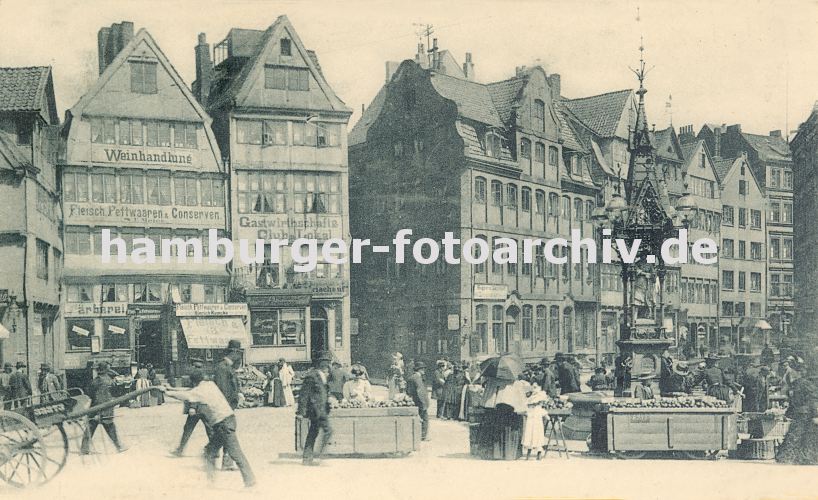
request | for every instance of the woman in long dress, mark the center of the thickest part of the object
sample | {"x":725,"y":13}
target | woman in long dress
{"x":276,"y":395}
{"x":395,"y":379}
{"x":533,"y":436}
{"x":286,"y":374}
{"x":143,"y":382}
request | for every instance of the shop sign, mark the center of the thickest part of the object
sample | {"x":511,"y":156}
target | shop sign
{"x":289,"y":227}
{"x":490,"y":292}
{"x":321,"y":288}
{"x":85,"y":309}
{"x":143,"y":156}
{"x":211,"y":309}
{"x":119,"y":214}
{"x":453,"y":321}
{"x":279,"y":298}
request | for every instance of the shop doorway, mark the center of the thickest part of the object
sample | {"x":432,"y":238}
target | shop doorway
{"x":149,"y":345}
{"x":319,"y":337}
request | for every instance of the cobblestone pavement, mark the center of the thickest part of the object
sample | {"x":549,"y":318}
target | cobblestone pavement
{"x":442,"y":468}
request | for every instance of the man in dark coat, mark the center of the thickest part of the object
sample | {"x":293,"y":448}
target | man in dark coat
{"x":100,"y":392}
{"x":665,"y":372}
{"x":225,"y":378}
{"x":337,"y":378}
{"x":438,"y":380}
{"x":313,"y":404}
{"x":20,"y":386}
{"x":622,"y":373}
{"x":416,"y":389}
{"x":756,"y":389}
{"x":568,"y":376}
{"x":548,"y":382}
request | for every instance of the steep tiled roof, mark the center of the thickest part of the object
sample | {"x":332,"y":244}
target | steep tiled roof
{"x":358,"y":133}
{"x":722,"y":166}
{"x":665,"y":145}
{"x":601,"y":113}
{"x":505,"y":93}
{"x":567,"y":133}
{"x":689,"y":148}
{"x":472,"y":99}
{"x":23,"y":89}
{"x":769,"y":147}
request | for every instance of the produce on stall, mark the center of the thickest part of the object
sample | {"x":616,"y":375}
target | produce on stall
{"x":251,"y":385}
{"x":372,"y":427}
{"x":690,"y":425}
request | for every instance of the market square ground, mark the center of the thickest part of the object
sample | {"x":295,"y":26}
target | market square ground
{"x":442,"y":468}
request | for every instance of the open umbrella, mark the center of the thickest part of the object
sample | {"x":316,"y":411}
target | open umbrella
{"x":503,"y":367}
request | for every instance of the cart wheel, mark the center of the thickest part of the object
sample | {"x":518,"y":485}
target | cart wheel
{"x":55,"y":441}
{"x":632,"y":455}
{"x":22,"y":452}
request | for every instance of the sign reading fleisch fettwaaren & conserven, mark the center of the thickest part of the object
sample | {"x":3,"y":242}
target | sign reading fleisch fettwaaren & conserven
{"x":112,"y":214}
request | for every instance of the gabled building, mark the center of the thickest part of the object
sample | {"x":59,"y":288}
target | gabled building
{"x":438,"y":152}
{"x":699,"y":287}
{"x":282,"y":130}
{"x":30,"y":218}
{"x":142,"y":161}
{"x":743,"y":259}
{"x":770,"y":158}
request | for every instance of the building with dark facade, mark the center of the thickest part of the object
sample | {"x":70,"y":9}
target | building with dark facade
{"x":141,"y":160}
{"x":282,"y":130}
{"x":437,"y":151}
{"x":30,"y":217}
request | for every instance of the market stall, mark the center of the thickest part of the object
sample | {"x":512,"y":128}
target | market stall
{"x":251,"y":386}
{"x":371,"y":428}
{"x":688,"y":425}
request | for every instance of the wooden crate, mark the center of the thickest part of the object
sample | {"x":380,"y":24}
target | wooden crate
{"x":671,"y":429}
{"x":755,"y":449}
{"x":367,"y":431}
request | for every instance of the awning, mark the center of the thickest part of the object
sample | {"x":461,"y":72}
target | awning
{"x":214,"y":333}
{"x":4,"y":332}
{"x":747,"y":322}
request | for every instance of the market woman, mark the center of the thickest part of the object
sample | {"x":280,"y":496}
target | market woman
{"x":357,"y":389}
{"x":800,"y":445}
{"x":275,"y":392}
{"x":286,"y":374}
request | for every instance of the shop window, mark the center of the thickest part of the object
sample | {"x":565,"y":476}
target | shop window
{"x":114,"y":293}
{"x":78,"y":333}
{"x":103,"y":188}
{"x":274,"y":133}
{"x":497,"y":327}
{"x":278,"y":327}
{"x":147,"y":292}
{"x":115,"y":334}
{"x":143,"y":77}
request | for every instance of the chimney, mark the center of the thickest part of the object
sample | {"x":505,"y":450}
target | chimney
{"x":391,"y":67}
{"x":111,"y":41}
{"x":421,"y":57}
{"x":775,"y":133}
{"x":204,"y":69}
{"x":555,"y":82}
{"x":435,"y":60}
{"x":519,"y":71}
{"x":717,"y":142}
{"x":468,"y":67}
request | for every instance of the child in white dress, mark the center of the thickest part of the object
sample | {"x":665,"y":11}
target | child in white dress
{"x":533,"y":437}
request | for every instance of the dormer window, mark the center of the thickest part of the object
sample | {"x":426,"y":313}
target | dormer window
{"x":493,"y":144}
{"x":286,"y":47}
{"x":143,"y":77}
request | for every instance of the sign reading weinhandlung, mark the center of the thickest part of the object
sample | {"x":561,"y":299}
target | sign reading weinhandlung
{"x":147,"y":156}
{"x":114,"y":214}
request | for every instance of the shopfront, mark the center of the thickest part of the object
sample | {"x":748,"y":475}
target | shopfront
{"x":202,"y":331}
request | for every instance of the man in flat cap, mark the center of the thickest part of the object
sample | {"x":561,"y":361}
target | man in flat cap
{"x":416,"y":389}
{"x":100,"y":392}
{"x":20,"y":386}
{"x":224,"y":376}
{"x":48,"y":384}
{"x":313,"y":404}
{"x":192,"y":412}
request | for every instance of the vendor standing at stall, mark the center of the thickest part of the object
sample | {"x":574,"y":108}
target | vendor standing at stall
{"x":644,"y":391}
{"x":568,"y":375}
{"x":416,"y":389}
{"x":338,"y":376}
{"x":357,"y":389}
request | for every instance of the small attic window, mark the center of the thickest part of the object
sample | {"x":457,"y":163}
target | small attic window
{"x":143,"y":77}
{"x":286,"y":47}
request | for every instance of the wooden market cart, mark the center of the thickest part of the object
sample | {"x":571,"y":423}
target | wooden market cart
{"x":367,"y":431}
{"x":633,"y":432}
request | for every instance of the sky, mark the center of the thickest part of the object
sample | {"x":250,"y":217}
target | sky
{"x":748,"y":62}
